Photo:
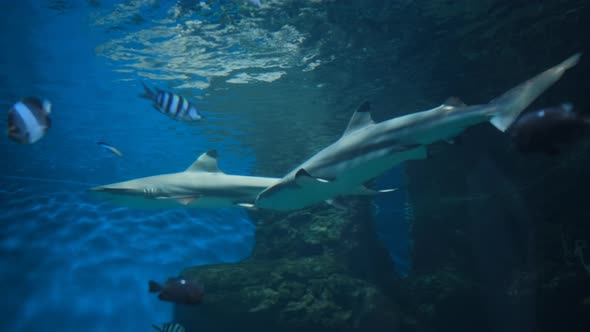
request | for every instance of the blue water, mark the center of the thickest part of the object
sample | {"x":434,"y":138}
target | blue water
{"x":70,"y":262}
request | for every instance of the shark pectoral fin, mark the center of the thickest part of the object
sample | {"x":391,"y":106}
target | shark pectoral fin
{"x":304,"y":179}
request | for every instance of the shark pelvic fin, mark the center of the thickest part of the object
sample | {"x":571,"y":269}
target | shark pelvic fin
{"x":247,"y":205}
{"x":360,"y":119}
{"x":186,"y":200}
{"x":363,"y":190}
{"x":207,"y":162}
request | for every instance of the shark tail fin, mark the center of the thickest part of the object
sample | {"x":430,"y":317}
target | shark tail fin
{"x":508,"y":106}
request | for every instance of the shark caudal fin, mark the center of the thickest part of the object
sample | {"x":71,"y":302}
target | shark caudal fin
{"x":508,"y":106}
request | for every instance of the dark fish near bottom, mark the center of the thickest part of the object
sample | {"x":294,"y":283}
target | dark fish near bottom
{"x":545,"y":130}
{"x":179,"y":290}
{"x":170,"y":327}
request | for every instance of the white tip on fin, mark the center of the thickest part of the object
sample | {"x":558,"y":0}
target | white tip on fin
{"x":302,"y":178}
{"x":207,"y":162}
{"x":382,"y":191}
{"x":362,"y":190}
{"x":246,"y":205}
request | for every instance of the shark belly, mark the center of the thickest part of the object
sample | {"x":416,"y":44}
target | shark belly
{"x":347,"y":178}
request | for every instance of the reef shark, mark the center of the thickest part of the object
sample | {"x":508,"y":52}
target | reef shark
{"x":200,"y":185}
{"x":367,"y":149}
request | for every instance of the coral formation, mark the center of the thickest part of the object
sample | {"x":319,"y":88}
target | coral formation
{"x":320,"y":270}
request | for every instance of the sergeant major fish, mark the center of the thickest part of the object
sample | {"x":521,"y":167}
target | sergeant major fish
{"x":28,"y":120}
{"x":170,"y":327}
{"x":172,"y":105}
{"x":546,"y":129}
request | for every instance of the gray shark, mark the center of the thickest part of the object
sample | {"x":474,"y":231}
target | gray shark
{"x":200,"y":185}
{"x":367,"y":149}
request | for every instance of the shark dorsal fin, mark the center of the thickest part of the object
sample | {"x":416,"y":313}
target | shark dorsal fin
{"x":360,"y":119}
{"x":207,"y":162}
{"x":453,"y":102}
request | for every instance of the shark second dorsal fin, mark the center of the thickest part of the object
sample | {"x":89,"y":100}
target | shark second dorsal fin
{"x":207,"y":162}
{"x":454,"y":102}
{"x":360,"y":119}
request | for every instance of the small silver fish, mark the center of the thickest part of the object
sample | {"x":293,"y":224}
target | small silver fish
{"x":170,"y":327}
{"x":28,"y":120}
{"x":172,"y":105}
{"x":110,"y":148}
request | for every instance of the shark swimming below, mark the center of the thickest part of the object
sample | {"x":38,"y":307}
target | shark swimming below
{"x":368,"y":149}
{"x":201,"y":185}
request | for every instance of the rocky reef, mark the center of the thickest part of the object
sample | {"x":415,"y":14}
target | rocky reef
{"x":320,"y":269}
{"x":499,"y":238}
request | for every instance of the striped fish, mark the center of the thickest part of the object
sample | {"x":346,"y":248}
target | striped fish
{"x":28,"y":120}
{"x":170,"y":327}
{"x":173,"y":105}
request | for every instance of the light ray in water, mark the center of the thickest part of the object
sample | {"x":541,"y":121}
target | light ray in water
{"x":48,"y":180}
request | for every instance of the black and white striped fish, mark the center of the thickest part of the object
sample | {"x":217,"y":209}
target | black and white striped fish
{"x":173,"y":105}
{"x":28,"y":120}
{"x":170,"y":327}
